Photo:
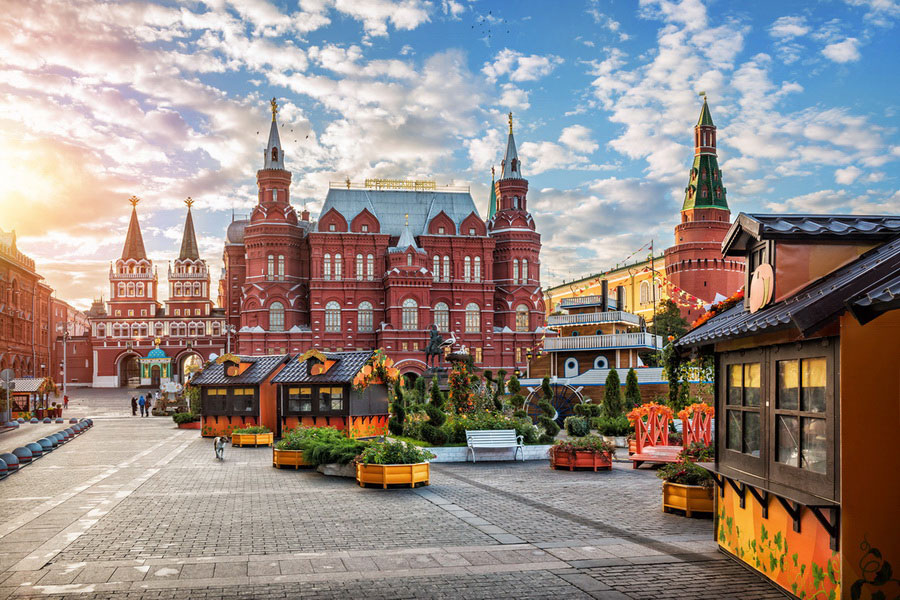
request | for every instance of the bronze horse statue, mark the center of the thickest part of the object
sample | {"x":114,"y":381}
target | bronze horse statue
{"x":436,"y":345}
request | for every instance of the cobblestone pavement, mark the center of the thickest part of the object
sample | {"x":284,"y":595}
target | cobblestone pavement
{"x":136,"y":508}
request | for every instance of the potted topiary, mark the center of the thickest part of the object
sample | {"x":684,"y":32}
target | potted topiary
{"x":187,"y":420}
{"x":577,"y":426}
{"x":686,"y":487}
{"x":288,"y":452}
{"x":613,"y":430}
{"x":258,"y":435}
{"x":587,"y":452}
{"x":387,"y":463}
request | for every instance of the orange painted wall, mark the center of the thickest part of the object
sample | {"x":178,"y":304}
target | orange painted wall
{"x":798,"y":264}
{"x":870,"y":454}
{"x":212,"y":426}
{"x":288,"y":423}
{"x":802,"y":563}
{"x":268,"y":396}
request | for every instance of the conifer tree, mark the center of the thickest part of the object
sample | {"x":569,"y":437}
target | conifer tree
{"x":431,"y":430}
{"x":545,"y":420}
{"x":612,"y":396}
{"x":632,"y":391}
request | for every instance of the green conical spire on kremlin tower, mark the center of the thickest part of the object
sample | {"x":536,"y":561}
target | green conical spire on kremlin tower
{"x":705,"y":188}
{"x":492,"y":203}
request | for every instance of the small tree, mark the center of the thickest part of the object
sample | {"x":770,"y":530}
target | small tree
{"x":612,"y":395}
{"x":632,"y":391}
{"x":431,"y":430}
{"x":398,"y":409}
{"x":545,"y":420}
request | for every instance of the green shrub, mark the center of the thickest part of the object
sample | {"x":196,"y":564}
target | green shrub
{"x":186,"y":417}
{"x":457,"y":424}
{"x":322,"y":445}
{"x":616,"y":427}
{"x":431,"y":430}
{"x":393,"y":453}
{"x":588,"y":409}
{"x":593,"y":443}
{"x":521,"y":414}
{"x":577,"y":426}
{"x":685,"y":473}
{"x":696,"y":452}
{"x":398,"y":408}
{"x":632,"y":391}
{"x":612,"y":396}
{"x":256,"y":429}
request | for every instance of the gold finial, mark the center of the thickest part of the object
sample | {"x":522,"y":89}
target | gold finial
{"x":134,"y":200}
{"x":189,"y":202}
{"x":492,"y":172}
{"x":274,"y":108}
{"x":348,"y":183}
{"x":407,"y":219}
{"x":510,"y":121}
{"x":157,"y":341}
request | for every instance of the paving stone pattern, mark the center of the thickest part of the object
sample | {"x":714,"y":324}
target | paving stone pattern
{"x":137,"y":508}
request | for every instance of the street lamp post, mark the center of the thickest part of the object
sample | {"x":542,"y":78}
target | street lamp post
{"x":528,"y":356}
{"x":229,"y":330}
{"x":65,"y":362}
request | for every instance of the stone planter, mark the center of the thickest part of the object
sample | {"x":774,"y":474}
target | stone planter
{"x":252,"y":439}
{"x":621,"y":441}
{"x":288,"y":458}
{"x":689,"y":498}
{"x":337,"y":470}
{"x":385,"y":475}
{"x":580,"y":460}
{"x":609,"y":438}
{"x":191,"y":425}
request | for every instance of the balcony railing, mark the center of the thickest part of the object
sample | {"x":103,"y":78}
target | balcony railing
{"x":126,"y":276}
{"x":175,"y":275}
{"x":594,"y":342}
{"x":594,"y":318}
{"x":580,"y":301}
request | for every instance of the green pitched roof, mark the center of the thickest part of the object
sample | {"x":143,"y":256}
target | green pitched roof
{"x":705,"y":188}
{"x":705,"y":117}
{"x":492,"y":203}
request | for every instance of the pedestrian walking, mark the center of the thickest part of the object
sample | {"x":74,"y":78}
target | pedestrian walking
{"x":149,"y":404}
{"x":143,"y":404}
{"x":66,"y":402}
{"x":133,"y":406}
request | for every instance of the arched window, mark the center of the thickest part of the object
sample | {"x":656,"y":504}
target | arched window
{"x":446,"y":268}
{"x":326,"y":270}
{"x":409,"y":259}
{"x":477,"y":269}
{"x":436,"y":267}
{"x":276,"y":316}
{"x":442,"y":316}
{"x":473,"y":318}
{"x":332,"y":316}
{"x":281,"y":267}
{"x":178,"y":291}
{"x":515,"y":273}
{"x":370,"y":267}
{"x":121,"y":289}
{"x":140,"y":289}
{"x":159,"y":330}
{"x":101,"y":330}
{"x":467,"y":269}
{"x":275,"y":154}
{"x":338,"y":266}
{"x":364,"y":317}
{"x":131,"y":289}
{"x":215,"y":328}
{"x":271,"y":263}
{"x":359,"y":267}
{"x":524,"y":271}
{"x":197,"y":288}
{"x":645,"y":292}
{"x":522,"y":318}
{"x":410,"y":314}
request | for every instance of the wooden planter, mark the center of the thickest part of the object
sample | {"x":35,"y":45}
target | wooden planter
{"x":191,"y":425}
{"x":632,"y":447}
{"x":689,"y":498}
{"x":252,"y":439}
{"x":288,"y":458}
{"x":560,"y":459}
{"x":385,"y":475}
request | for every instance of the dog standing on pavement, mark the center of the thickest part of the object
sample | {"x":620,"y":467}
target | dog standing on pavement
{"x":219,"y":446}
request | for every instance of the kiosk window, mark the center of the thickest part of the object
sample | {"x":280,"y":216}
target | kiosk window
{"x":800,"y":425}
{"x":743,"y":411}
{"x":299,"y":399}
{"x":331,"y":399}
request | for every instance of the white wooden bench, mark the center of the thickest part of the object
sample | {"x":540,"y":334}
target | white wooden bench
{"x":494,"y":438}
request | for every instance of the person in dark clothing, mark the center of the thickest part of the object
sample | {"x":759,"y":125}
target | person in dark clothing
{"x":133,"y":406}
{"x":148,"y":403}
{"x":142,"y":403}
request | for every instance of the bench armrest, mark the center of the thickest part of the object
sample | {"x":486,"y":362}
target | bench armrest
{"x":520,"y":440}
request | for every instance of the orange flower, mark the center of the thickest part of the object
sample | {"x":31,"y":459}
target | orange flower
{"x":367,"y":370}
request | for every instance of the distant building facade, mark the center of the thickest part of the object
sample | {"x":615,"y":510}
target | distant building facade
{"x":692,"y":271}
{"x":25,"y":313}
{"x":71,"y":327}
{"x":381,"y":264}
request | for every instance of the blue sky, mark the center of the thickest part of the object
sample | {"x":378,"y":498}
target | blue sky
{"x":99,"y":101}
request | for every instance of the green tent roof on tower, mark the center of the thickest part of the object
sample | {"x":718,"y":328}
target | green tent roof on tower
{"x":705,"y":188}
{"x":492,"y":203}
{"x":705,"y":117}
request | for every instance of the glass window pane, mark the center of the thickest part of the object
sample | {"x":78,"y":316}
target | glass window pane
{"x":751,"y":433}
{"x":306,"y":406}
{"x":788,"y":385}
{"x":324,"y":399}
{"x":751,"y":384}
{"x":733,"y":434}
{"x":787,"y":447}
{"x":293,"y":406}
{"x":813,"y":455}
{"x":735,"y":383}
{"x":813,"y":372}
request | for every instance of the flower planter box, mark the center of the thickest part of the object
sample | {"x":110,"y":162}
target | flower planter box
{"x":689,"y":498}
{"x":191,"y":425}
{"x":288,"y":458}
{"x":385,"y":475}
{"x":580,"y":460}
{"x":252,"y":439}
{"x":632,"y":447}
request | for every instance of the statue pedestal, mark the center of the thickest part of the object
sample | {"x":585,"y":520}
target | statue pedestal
{"x":440,"y":373}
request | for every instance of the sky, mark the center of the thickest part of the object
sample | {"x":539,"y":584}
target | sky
{"x":164,"y":100}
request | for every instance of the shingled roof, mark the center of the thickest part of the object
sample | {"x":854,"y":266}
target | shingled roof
{"x":134,"y":242}
{"x":256,"y":373}
{"x":347,"y":365}
{"x":870,"y":279}
{"x":189,"y":247}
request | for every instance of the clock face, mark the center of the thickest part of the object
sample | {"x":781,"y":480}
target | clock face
{"x":762,"y":287}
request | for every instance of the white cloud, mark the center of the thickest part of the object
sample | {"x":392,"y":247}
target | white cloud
{"x":789,"y":27}
{"x":847,"y":175}
{"x":513,"y":97}
{"x":520,"y":67}
{"x":843,"y":52}
{"x":578,"y":138}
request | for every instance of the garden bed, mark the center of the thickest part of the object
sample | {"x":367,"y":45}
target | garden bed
{"x":252,"y":439}
{"x":580,"y":459}
{"x":385,"y":475}
{"x":288,"y":458}
{"x":687,"y":498}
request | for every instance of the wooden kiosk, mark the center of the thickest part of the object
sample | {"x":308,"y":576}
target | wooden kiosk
{"x":237,"y":391}
{"x":316,"y":389}
{"x":808,"y":404}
